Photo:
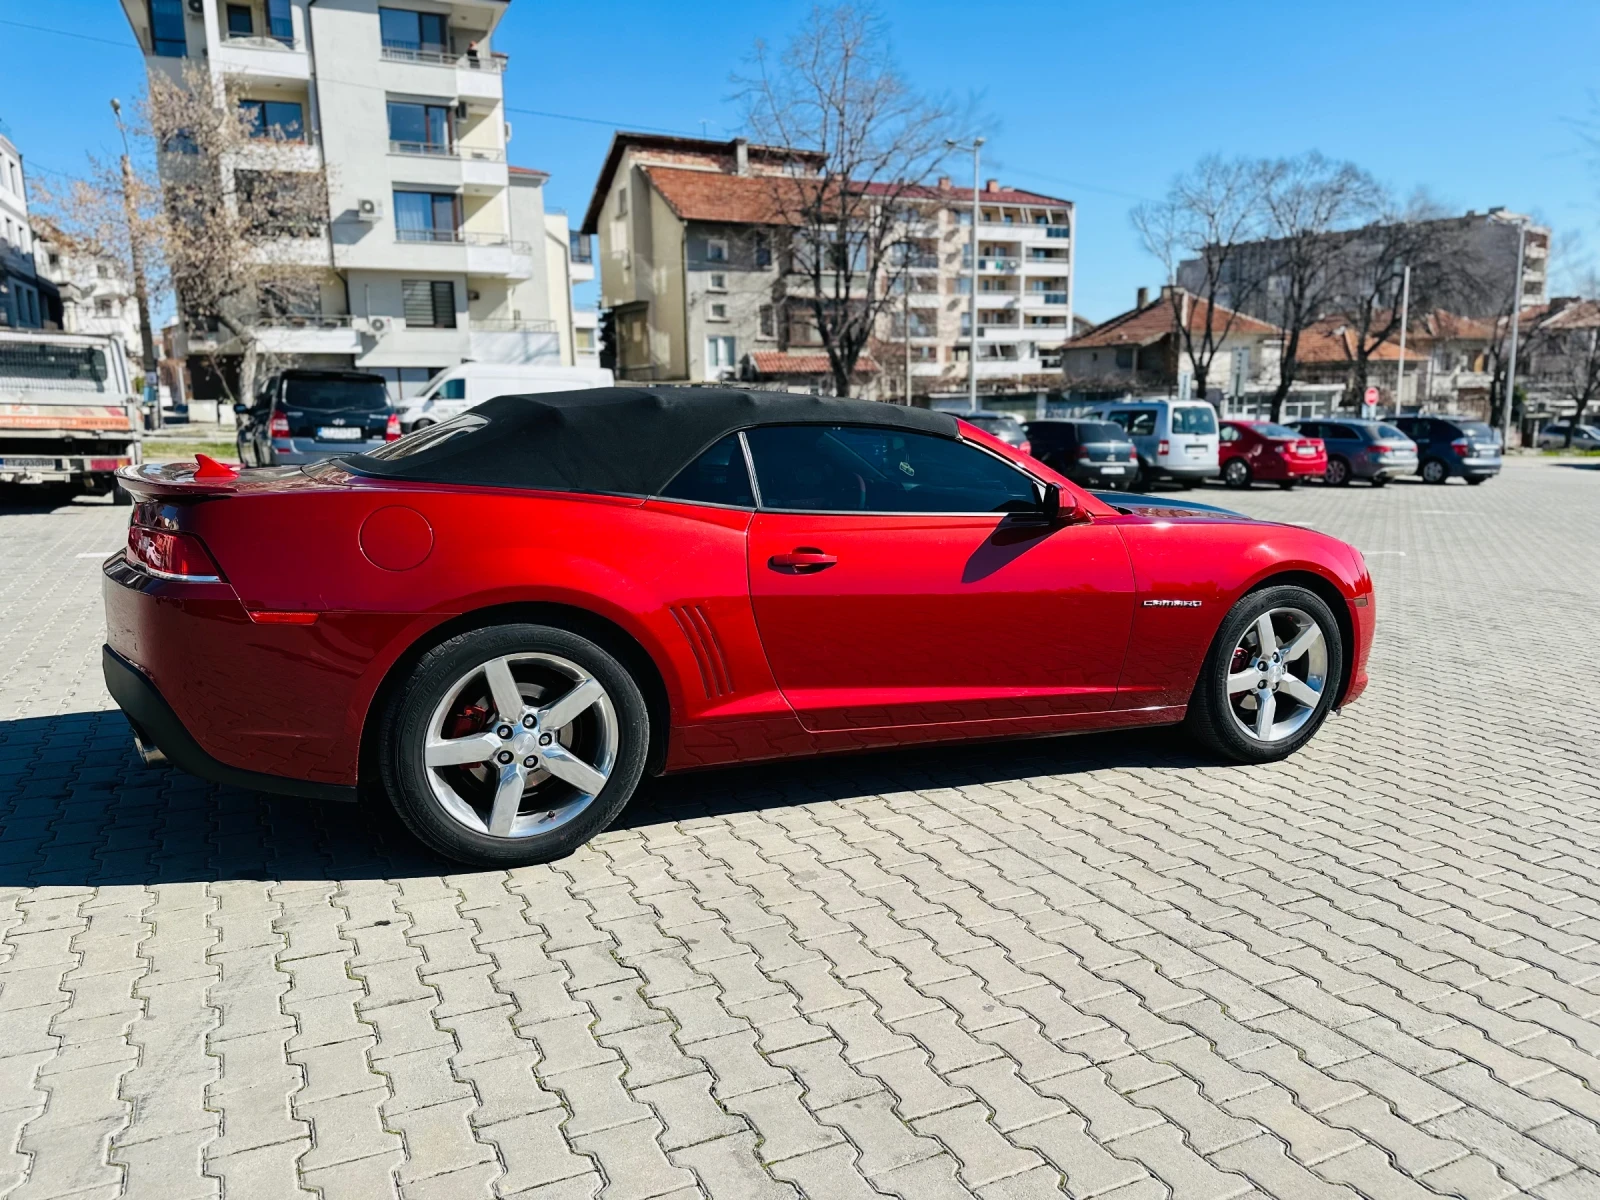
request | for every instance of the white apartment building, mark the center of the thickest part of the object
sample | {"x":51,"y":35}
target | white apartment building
{"x":21,"y":305}
{"x":96,"y":294}
{"x":437,"y":250}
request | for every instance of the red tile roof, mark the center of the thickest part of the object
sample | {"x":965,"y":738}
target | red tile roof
{"x":713,"y":196}
{"x":1147,"y":325}
{"x":960,"y":195}
{"x":784,"y":362}
{"x":1333,"y":340}
{"x":529,"y":171}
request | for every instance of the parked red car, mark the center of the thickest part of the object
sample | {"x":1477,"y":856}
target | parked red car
{"x":1251,"y":451}
{"x":503,"y":621}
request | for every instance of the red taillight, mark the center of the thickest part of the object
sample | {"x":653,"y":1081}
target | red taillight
{"x":1462,"y":447}
{"x":1284,"y":448}
{"x":1163,"y":448}
{"x":1133,"y":454}
{"x":170,"y":555}
{"x":391,"y":431}
{"x":278,"y":427}
{"x":1083,"y":453}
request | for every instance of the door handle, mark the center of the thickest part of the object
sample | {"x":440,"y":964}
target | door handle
{"x":803,"y":560}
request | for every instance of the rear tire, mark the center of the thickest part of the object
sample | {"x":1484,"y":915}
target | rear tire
{"x":121,"y":497}
{"x":1214,"y":716}
{"x":1434,"y":471}
{"x":1475,"y":480}
{"x":452,"y":807}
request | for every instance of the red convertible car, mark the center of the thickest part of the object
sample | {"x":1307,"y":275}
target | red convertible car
{"x":502,"y":622}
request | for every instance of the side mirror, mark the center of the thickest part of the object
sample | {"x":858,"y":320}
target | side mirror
{"x":241,"y":408}
{"x":1055,"y":508}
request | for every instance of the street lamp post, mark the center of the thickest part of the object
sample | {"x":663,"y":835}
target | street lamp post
{"x":1511,"y":346}
{"x":141,"y":290}
{"x":1400,"y":369}
{"x":972,"y":298}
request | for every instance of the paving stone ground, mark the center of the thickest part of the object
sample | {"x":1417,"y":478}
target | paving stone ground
{"x":1098,"y":967}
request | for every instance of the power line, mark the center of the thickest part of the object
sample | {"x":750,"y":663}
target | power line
{"x":82,"y":37}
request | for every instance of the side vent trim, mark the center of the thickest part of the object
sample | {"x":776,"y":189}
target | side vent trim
{"x":701,"y":635}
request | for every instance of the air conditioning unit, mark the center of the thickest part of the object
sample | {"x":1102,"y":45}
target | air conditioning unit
{"x":367,"y":211}
{"x":197,"y":7}
{"x":379,"y":325}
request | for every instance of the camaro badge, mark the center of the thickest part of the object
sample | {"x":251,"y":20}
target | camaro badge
{"x":1172,"y":603}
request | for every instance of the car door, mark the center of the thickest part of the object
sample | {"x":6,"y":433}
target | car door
{"x":891,"y":588}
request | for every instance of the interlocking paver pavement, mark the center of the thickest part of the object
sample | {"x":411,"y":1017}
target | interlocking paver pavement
{"x":1096,"y":966}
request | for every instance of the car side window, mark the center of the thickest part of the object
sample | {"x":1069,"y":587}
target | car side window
{"x":1340,"y":433}
{"x":849,"y":468}
{"x":1228,"y":434}
{"x":1141,"y":422}
{"x":719,"y":476}
{"x":452,"y":389}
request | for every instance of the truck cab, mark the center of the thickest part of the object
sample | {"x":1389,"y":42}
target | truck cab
{"x":68,"y":412}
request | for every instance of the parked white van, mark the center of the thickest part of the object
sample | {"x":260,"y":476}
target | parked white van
{"x":1176,"y":440}
{"x":469,"y":384}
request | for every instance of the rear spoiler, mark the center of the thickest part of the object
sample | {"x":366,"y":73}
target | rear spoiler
{"x":204,"y":477}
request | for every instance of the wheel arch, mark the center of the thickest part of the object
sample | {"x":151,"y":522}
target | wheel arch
{"x":1327,"y":591}
{"x":601,"y":630}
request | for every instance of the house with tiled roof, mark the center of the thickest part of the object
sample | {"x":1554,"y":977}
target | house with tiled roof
{"x":1144,"y":349}
{"x":693,"y":237}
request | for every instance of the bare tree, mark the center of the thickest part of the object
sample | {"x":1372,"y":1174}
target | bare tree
{"x":863,"y":145}
{"x":1563,"y":354}
{"x":239,"y":215}
{"x":1207,"y":215}
{"x":1306,"y":201}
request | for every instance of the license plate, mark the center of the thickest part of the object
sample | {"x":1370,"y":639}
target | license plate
{"x":1193,"y":446}
{"x":1113,"y":470}
{"x":44,"y":463}
{"x":1304,"y":451}
{"x":340,"y":433}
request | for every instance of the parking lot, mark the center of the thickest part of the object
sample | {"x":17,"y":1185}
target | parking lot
{"x":1098,"y":966}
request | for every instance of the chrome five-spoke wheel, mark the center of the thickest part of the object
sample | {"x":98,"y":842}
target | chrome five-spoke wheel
{"x":1276,"y":674}
{"x":1271,"y":677}
{"x":521,"y":745}
{"x":513,"y":744}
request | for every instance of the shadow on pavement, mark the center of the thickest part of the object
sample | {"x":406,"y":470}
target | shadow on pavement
{"x":77,"y":808}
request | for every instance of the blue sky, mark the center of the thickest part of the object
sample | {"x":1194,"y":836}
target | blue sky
{"x":1097,"y":102}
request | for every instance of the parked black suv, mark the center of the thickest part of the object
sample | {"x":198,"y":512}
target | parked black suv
{"x":1095,"y":454}
{"x":1449,"y":446}
{"x":302,"y":416}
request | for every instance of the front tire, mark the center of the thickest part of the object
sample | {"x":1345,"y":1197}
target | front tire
{"x":1237,"y":473}
{"x":1434,"y":471}
{"x":1270,"y":678}
{"x":513,"y":744}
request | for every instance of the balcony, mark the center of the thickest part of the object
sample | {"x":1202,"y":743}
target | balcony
{"x":1003,"y":264}
{"x":501,"y":341}
{"x":311,"y":333}
{"x":447,"y":165}
{"x":420,"y":70}
{"x":267,"y":59}
{"x":438,"y":56}
{"x":1046,"y":297}
{"x":472,"y":253}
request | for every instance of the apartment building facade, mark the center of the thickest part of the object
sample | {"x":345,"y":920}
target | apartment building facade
{"x":96,"y":294}
{"x":695,"y":272}
{"x":436,"y":250}
{"x":23,"y":305}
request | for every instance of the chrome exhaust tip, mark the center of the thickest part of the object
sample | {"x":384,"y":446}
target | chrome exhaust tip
{"x":150,"y":753}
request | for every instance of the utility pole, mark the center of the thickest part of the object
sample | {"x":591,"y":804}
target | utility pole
{"x":1511,"y":349}
{"x":972,"y":299}
{"x":141,"y":290}
{"x":905,"y":282}
{"x":1405,"y":316}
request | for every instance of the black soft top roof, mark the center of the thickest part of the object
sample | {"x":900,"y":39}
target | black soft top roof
{"x":631,"y":441}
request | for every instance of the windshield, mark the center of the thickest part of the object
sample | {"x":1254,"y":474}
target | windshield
{"x":333,"y":394}
{"x":1101,"y":431}
{"x":1269,"y":430}
{"x":1194,"y":418}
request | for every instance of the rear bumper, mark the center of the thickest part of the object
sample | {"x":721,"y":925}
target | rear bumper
{"x":156,"y":725}
{"x":1165,"y":472}
{"x":299,"y":451}
{"x":1095,"y":475}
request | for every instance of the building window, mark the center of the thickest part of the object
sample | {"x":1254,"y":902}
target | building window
{"x":719,"y":311}
{"x":279,"y":120}
{"x":583,"y":339}
{"x":168,"y":39}
{"x":763,"y":249}
{"x":580,"y":247}
{"x":719,"y":281}
{"x":279,"y":23}
{"x":716,"y":249}
{"x":241,"y":21}
{"x":427,"y":217}
{"x":413,"y":34}
{"x":104,"y":308}
{"x":622,"y":201}
{"x":1125,"y":360}
{"x":429,"y":303}
{"x":419,"y":128}
{"x":719,"y":354}
{"x":766,"y":322}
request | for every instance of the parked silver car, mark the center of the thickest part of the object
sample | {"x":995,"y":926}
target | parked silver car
{"x":1554,"y":437}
